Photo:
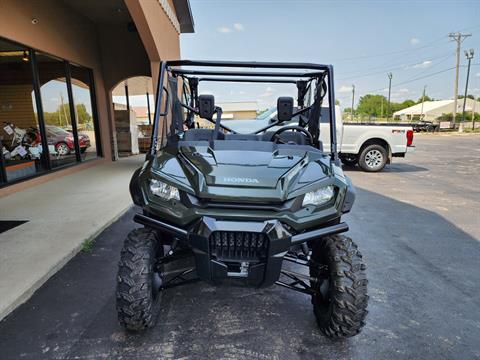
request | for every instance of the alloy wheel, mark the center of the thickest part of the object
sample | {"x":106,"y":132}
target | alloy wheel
{"x":373,"y":158}
{"x":62,"y":149}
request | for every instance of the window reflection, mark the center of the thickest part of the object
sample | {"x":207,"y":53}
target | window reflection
{"x":81,"y":85}
{"x":56,"y":110}
{"x":20,"y":142}
{"x":22,"y":152}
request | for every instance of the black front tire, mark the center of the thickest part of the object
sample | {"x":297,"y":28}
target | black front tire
{"x":340,"y":300}
{"x":373,"y":158}
{"x":138,"y":284}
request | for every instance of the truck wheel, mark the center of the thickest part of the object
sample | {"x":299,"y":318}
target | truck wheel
{"x":340,"y":298}
{"x":138,"y":283}
{"x":373,"y":158}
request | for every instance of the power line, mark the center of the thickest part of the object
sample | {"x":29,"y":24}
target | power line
{"x":405,"y":67}
{"x":389,"y":65}
{"x":397,"y":52}
{"x":414,"y":79}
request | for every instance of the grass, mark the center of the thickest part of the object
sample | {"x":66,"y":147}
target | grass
{"x":87,"y":245}
{"x":476,"y":130}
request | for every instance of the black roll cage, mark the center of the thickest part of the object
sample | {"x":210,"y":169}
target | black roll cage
{"x":319,"y":71}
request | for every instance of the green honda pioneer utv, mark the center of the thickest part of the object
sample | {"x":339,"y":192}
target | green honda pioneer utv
{"x":242,"y":205}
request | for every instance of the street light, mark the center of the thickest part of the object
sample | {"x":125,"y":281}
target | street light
{"x":469,"y":56}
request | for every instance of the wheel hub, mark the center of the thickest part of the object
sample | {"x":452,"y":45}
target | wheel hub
{"x":374,"y":158}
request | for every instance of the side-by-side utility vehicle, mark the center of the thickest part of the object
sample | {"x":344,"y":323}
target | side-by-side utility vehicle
{"x":262,"y":208}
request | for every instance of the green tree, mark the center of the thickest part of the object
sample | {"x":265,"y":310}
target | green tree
{"x":372,"y":104}
{"x":469,"y":96}
{"x":426,"y":98}
{"x":83,"y":117}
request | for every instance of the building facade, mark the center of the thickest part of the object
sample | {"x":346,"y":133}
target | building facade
{"x":433,"y":110}
{"x":59,"y":63}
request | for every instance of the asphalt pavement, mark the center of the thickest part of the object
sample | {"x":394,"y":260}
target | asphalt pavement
{"x":417,"y":224}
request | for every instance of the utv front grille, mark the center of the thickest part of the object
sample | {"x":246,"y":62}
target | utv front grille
{"x":238,"y":245}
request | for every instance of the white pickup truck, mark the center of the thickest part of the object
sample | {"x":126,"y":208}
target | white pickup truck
{"x":371,"y":145}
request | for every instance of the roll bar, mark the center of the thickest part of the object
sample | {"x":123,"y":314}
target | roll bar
{"x":317,"y":70}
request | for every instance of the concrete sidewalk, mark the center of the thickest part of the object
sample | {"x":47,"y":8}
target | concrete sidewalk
{"x":62,"y":214}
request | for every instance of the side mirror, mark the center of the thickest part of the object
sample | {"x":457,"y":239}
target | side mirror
{"x":284,"y":108}
{"x":206,"y":106}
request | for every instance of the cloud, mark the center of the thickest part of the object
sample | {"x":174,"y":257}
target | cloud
{"x":238,"y":27}
{"x":228,"y":29}
{"x":404,"y":91}
{"x":423,"y":65}
{"x":477,"y":74}
{"x":224,"y":30}
{"x":345,"y":89}
{"x":414,"y":41}
{"x":268,"y":92}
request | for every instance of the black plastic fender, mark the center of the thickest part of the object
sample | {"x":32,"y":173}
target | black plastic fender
{"x":349,"y":196}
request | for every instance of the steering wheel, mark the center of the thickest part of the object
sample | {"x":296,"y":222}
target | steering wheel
{"x":276,"y":135}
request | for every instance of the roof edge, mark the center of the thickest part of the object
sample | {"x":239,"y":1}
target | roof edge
{"x":184,"y":16}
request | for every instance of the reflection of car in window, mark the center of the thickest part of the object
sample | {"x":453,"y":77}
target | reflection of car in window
{"x":63,"y":140}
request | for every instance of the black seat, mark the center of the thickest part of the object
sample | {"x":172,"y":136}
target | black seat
{"x":288,"y":136}
{"x":201,"y":135}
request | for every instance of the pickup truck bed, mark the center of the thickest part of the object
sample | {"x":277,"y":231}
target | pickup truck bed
{"x":370,"y":145}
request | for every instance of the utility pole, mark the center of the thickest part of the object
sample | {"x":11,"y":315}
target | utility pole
{"x":459,"y":38}
{"x":473,"y":113}
{"x":353,"y":101}
{"x":390,"y":75}
{"x":423,"y":100}
{"x":469,"y":56}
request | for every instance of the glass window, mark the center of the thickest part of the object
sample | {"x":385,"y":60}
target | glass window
{"x":20,"y":142}
{"x":81,"y":85}
{"x":56,"y":110}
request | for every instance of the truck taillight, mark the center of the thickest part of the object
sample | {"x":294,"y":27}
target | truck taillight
{"x":409,"y":137}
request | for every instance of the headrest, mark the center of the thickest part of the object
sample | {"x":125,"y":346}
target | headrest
{"x":284,"y":108}
{"x":206,"y":106}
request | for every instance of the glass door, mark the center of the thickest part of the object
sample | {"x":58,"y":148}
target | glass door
{"x":21,"y":150}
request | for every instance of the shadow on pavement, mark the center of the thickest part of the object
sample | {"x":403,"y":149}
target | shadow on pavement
{"x":391,"y":168}
{"x":423,"y":286}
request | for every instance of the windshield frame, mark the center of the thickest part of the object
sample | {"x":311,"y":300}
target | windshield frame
{"x":322,"y":74}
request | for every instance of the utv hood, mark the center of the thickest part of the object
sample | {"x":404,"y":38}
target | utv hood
{"x":253,"y":168}
{"x":243,"y":171}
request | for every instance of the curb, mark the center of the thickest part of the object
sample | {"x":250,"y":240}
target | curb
{"x":27,"y":294}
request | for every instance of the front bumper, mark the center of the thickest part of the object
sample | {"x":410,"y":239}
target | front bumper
{"x":251,"y":250}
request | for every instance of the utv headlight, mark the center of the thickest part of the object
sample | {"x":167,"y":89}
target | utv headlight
{"x":164,"y":191}
{"x":319,"y":197}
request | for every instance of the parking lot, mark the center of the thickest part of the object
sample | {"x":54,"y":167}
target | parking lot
{"x":417,"y":224}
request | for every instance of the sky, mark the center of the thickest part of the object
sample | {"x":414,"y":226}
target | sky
{"x":54,"y":90}
{"x":363,"y":40}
